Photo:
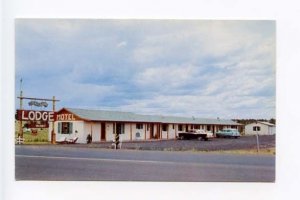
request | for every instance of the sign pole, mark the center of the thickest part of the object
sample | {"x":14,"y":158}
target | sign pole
{"x":21,"y":124}
{"x":257,"y":141}
{"x":53,"y":138}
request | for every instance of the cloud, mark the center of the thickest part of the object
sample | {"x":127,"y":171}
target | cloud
{"x":122,"y":44}
{"x":176,"y":67}
{"x":170,"y":77}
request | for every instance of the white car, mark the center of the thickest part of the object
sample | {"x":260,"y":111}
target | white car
{"x":209,"y":134}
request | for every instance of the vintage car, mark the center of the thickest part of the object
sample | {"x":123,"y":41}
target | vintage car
{"x":231,"y":133}
{"x":195,"y":134}
{"x":209,"y":134}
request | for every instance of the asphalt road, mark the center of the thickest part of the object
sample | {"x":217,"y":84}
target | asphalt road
{"x":60,"y":163}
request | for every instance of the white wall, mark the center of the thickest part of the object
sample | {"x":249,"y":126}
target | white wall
{"x":140,"y":131}
{"x":172,"y":131}
{"x":87,"y":129}
{"x":264,"y":129}
{"x":126,"y":135}
{"x":96,"y":131}
{"x":272,"y":130}
{"x":164,"y":133}
{"x":77,"y":126}
{"x":109,"y":131}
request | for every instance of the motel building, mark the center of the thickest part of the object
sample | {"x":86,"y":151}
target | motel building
{"x":260,"y":128}
{"x":102,"y":125}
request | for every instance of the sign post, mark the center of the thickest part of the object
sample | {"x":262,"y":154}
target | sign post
{"x":21,"y":124}
{"x":257,"y":141}
{"x":53,"y":135}
{"x":34,"y":115}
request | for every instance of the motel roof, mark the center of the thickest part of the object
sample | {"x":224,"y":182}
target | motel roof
{"x":266,"y":123}
{"x":117,"y":116}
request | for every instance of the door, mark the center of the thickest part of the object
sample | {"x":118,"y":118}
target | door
{"x":151,"y":131}
{"x":103,"y":134}
{"x":158,"y":131}
{"x":120,"y":128}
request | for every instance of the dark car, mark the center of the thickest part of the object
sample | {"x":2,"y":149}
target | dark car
{"x":194,"y":134}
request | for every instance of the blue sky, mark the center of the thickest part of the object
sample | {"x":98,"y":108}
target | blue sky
{"x":203,"y":68}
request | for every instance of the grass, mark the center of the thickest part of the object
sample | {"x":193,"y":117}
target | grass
{"x":40,"y":138}
{"x":265,"y":151}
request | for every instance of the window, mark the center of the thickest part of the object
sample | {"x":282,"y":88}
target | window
{"x":256,"y":128}
{"x":139,"y":126}
{"x":180,"y":127}
{"x":65,"y":127}
{"x":59,"y":127}
{"x":173,"y":126}
{"x":164,"y":127}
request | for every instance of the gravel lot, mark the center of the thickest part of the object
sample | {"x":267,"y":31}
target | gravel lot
{"x":245,"y":142}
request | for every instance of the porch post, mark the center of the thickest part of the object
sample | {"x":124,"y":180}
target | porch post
{"x":130,"y":131}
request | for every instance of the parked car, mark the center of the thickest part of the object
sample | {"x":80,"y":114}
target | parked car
{"x":195,"y":134}
{"x":209,"y":134}
{"x":233,"y":133}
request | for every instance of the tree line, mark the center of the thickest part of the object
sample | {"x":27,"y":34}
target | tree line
{"x":249,"y":121}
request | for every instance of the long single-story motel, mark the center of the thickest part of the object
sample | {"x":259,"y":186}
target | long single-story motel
{"x":102,"y":125}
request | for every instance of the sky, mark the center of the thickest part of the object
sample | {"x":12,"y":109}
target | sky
{"x":201,"y":68}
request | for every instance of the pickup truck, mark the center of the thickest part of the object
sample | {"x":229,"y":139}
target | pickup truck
{"x":195,"y":134}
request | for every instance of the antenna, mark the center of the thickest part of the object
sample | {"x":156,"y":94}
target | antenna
{"x":21,"y":80}
{"x":21,"y":93}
